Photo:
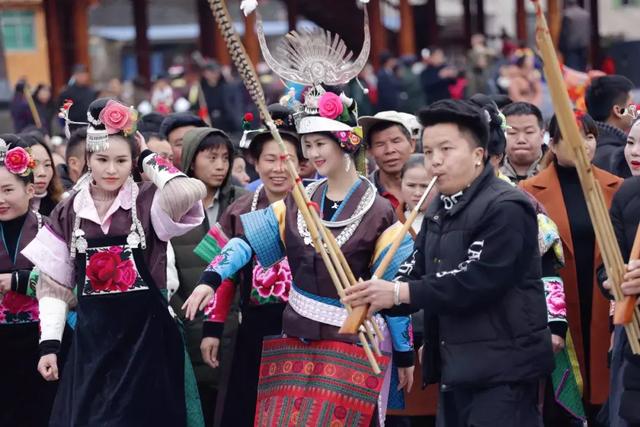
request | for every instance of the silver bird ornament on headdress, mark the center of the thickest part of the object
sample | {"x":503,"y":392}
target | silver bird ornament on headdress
{"x":314,"y":56}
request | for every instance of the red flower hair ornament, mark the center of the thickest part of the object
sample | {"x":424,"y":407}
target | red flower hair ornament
{"x":17,"y":160}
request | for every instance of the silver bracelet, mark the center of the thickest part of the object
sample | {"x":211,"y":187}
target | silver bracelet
{"x":396,"y":293}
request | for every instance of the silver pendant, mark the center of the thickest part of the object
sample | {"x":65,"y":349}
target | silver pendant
{"x":335,"y":205}
{"x":81,"y":244}
{"x":133,"y":239}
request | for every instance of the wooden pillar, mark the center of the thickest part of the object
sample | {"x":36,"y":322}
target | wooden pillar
{"x":206,"y":39}
{"x":142,"y":46}
{"x":595,"y":33}
{"x":221,"y":51}
{"x":58,"y":68}
{"x":251,"y":38}
{"x":554,"y":16}
{"x":466,"y":5}
{"x":81,"y":33}
{"x":292,"y":14}
{"x":521,"y":22}
{"x":407,"y":29}
{"x":432,"y":22}
{"x":480,"y":23}
{"x":378,"y":33}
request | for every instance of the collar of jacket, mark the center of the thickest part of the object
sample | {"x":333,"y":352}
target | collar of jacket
{"x":607,"y":128}
{"x":508,"y":169}
{"x":468,"y":193}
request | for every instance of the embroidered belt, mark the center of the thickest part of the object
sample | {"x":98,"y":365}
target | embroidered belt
{"x":323,"y":309}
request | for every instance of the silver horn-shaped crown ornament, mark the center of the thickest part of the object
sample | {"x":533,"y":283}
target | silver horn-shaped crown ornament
{"x":315,"y":56}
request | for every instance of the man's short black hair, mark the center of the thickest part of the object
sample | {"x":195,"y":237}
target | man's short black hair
{"x":76,"y":142}
{"x":466,"y":115}
{"x":523,"y":109}
{"x":605,"y":92}
{"x":150,"y":122}
{"x":177,"y":120}
{"x":149,"y":135}
{"x":380,"y":126}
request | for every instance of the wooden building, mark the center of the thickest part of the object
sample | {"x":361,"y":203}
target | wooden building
{"x":61,"y":30}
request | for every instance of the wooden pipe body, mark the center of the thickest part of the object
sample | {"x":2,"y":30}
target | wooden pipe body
{"x":359,"y":314}
{"x":623,"y":314}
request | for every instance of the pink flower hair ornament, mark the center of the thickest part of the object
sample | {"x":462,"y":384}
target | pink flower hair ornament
{"x":330,"y":106}
{"x":117,"y":117}
{"x":17,"y":160}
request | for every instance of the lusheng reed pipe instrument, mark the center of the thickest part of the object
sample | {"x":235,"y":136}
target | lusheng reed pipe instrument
{"x":596,"y":206}
{"x":624,"y":310}
{"x":358,"y":315}
{"x":32,"y":106}
{"x":319,"y":234}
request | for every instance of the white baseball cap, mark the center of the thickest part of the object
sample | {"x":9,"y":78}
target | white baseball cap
{"x":403,"y":119}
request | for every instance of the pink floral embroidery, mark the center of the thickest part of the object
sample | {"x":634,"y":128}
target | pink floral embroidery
{"x":115,"y":250}
{"x":343,"y":136}
{"x":111,"y":270}
{"x":165,"y":165}
{"x":274,"y":281}
{"x":218,"y":308}
{"x":556,"y":305}
{"x":18,"y":308}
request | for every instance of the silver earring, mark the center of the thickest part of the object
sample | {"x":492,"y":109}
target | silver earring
{"x":347,"y":160}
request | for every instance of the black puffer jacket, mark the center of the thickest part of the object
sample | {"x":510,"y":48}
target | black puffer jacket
{"x":476,"y":274}
{"x":625,"y":216}
{"x":610,"y":150}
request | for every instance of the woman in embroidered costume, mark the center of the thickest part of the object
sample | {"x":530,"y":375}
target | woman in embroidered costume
{"x":304,"y":378}
{"x":263,"y":292}
{"x":104,"y":251}
{"x":19,"y":381}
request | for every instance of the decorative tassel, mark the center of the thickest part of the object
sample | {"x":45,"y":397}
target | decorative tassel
{"x":361,"y":161}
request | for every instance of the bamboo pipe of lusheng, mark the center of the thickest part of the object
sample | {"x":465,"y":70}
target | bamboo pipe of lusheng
{"x":352,"y":281}
{"x":32,"y":107}
{"x":359,"y":314}
{"x":596,"y":206}
{"x":624,"y":310}
{"x":315,"y":226}
{"x":324,"y":252}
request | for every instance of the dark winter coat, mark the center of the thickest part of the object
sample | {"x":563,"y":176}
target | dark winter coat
{"x":625,"y":216}
{"x":476,"y":274}
{"x":610,"y":150}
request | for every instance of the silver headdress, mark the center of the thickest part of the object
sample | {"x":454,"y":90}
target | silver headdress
{"x":3,"y":149}
{"x":314,"y":57}
{"x":97,"y":139}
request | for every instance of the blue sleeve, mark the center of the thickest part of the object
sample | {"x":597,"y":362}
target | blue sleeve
{"x":261,"y":228}
{"x":235,"y":255}
{"x":399,"y":326}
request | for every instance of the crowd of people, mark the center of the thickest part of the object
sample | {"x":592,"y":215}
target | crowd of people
{"x":157,"y":269}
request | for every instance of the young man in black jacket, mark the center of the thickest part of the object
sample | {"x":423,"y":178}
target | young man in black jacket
{"x":475,"y":272}
{"x":610,"y":103}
